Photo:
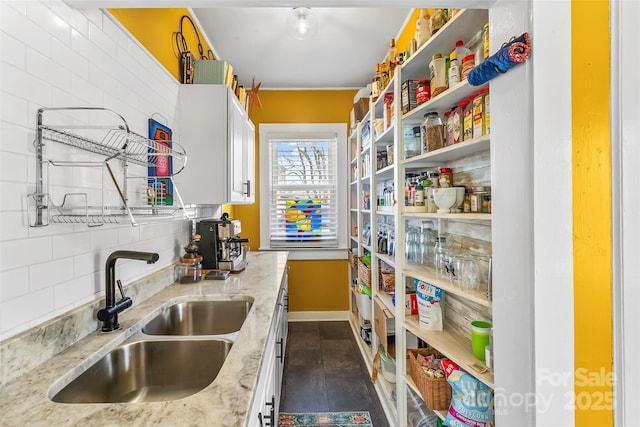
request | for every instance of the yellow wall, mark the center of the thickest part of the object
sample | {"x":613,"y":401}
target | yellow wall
{"x":155,"y":28}
{"x":592,"y":212}
{"x":313,"y":285}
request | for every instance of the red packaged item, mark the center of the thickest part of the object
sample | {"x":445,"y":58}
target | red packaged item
{"x":423,"y":91}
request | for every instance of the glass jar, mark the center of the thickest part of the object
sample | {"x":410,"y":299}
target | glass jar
{"x":189,"y":270}
{"x":432,"y":132}
{"x":412,"y":146}
{"x":477,"y":194}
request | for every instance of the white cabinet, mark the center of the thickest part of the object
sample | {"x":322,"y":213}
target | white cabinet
{"x":266,"y":400}
{"x":217,"y":130}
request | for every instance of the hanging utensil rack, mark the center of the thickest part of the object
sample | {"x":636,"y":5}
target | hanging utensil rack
{"x":137,"y":195}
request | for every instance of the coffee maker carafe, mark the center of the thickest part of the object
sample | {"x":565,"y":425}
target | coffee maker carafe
{"x":221,"y":245}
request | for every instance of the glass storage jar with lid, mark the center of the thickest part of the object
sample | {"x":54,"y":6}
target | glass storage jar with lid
{"x":432,"y":132}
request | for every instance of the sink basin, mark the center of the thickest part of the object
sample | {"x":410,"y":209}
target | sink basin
{"x":148,"y":371}
{"x":200,"y":318}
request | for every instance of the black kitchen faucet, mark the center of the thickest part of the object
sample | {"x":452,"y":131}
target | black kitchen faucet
{"x":109,"y":314}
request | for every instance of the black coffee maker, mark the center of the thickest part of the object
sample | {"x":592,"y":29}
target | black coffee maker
{"x":221,"y":245}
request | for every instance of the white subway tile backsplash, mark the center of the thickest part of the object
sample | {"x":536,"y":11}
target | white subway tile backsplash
{"x":44,"y":17}
{"x":16,"y":139}
{"x":14,"y":283}
{"x":24,"y":85}
{"x":13,"y":225}
{"x":24,"y":29}
{"x":65,"y":57}
{"x":71,"y":60}
{"x":21,"y":253}
{"x":12,"y":196}
{"x":72,"y":291}
{"x":13,"y":167}
{"x":47,"y":274}
{"x":13,"y":51}
{"x":21,"y":310}
{"x":48,"y":70}
{"x":104,"y":43}
{"x":15,"y":110}
{"x":65,"y":245}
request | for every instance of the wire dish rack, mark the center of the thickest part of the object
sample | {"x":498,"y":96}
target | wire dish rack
{"x":132,"y":180}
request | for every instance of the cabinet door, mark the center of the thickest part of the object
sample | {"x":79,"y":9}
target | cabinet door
{"x":237,"y":147}
{"x":249,"y":163}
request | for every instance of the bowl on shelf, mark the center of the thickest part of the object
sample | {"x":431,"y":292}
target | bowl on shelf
{"x":459,"y":199}
{"x":445,"y":198}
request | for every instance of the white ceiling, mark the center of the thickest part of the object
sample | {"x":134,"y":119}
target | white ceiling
{"x":342,"y":53}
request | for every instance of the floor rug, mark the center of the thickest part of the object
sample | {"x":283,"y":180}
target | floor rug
{"x":326,"y":419}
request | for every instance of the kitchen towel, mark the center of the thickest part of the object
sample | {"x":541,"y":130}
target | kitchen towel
{"x":515,"y":51}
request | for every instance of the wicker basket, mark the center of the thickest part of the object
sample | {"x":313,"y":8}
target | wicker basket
{"x":353,"y":259}
{"x":364,"y":273}
{"x":436,"y":392}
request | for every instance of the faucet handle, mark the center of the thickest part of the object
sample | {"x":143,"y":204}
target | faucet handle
{"x":119,"y":283}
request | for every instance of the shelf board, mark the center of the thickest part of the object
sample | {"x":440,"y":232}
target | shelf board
{"x":464,"y":26}
{"x":452,"y":346}
{"x":354,"y":160}
{"x":354,"y":183}
{"x":441,"y":103}
{"x":355,"y":239}
{"x":454,"y":216}
{"x":365,"y":179}
{"x":367,"y":247}
{"x":391,"y":261}
{"x":450,"y":153}
{"x":386,"y":171}
{"x":365,"y":211}
{"x":428,"y":275}
{"x":387,"y":301}
{"x":382,"y":211}
{"x":386,"y":137}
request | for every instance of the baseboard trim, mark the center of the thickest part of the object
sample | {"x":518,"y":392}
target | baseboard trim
{"x":317,"y":316}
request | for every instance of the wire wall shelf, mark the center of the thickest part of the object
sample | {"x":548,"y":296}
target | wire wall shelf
{"x":133,"y":182}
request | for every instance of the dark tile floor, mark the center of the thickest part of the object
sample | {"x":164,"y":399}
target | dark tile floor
{"x":324,"y":372}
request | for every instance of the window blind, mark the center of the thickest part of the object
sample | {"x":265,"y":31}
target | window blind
{"x":303,"y":206}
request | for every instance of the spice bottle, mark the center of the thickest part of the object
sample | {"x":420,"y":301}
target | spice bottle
{"x":454,"y":69}
{"x":446,"y":178}
{"x":438,"y":71}
{"x":419,"y":193}
{"x":485,"y":40}
{"x":468,"y":62}
{"x":466,"y":205}
{"x":423,"y":91}
{"x":458,"y":121}
{"x":487,"y":115}
{"x":431,"y":132}
{"x":392,"y":56}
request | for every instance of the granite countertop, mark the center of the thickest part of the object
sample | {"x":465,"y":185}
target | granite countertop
{"x":225,"y":402}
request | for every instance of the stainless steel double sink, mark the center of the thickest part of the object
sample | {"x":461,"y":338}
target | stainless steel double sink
{"x":176,"y":354}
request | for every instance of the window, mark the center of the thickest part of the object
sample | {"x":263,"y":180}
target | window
{"x":302,"y":186}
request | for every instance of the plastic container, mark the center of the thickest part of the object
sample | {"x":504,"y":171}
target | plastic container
{"x":438,"y":71}
{"x":365,"y":306}
{"x":418,"y":415}
{"x":454,"y":70}
{"x":388,"y":365}
{"x":461,"y":52}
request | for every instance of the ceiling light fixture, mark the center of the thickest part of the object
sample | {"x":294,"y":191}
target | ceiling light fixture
{"x":301,"y":23}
